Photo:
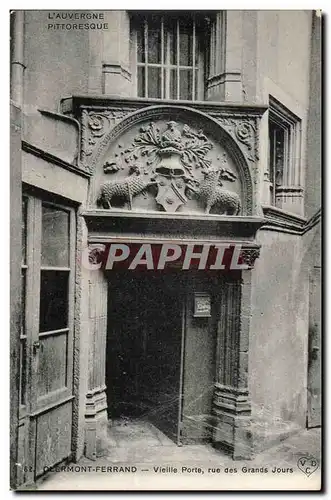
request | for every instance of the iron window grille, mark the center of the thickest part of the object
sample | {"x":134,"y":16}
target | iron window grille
{"x":169,"y":56}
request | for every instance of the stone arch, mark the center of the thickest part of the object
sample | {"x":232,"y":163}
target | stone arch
{"x":210,"y":126}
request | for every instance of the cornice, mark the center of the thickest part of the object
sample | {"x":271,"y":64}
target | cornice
{"x":282,"y":221}
{"x":174,"y":226}
{"x":73,"y":103}
{"x":315,"y":219}
{"x":49,"y":157}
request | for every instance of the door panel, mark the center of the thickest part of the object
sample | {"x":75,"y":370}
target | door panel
{"x":52,"y":376}
{"x":163,"y":348}
{"x":199,"y":363}
{"x":47,"y":334}
{"x":53,"y":437}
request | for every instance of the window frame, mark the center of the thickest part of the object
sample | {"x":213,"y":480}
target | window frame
{"x":198,"y":83}
{"x":282,"y":118}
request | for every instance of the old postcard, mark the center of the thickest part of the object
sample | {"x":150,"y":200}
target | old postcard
{"x":165,"y":250}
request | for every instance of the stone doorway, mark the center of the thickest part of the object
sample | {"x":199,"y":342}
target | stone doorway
{"x":144,"y":351}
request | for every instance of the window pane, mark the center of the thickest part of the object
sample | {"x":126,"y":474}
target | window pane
{"x":198,"y":55}
{"x":197,"y":86}
{"x":53,"y":300}
{"x":24,"y":219}
{"x":185,"y":45}
{"x":272,"y":153}
{"x":154,"y":42}
{"x":141,"y":44}
{"x":276,"y":153}
{"x":185,"y":84}
{"x":154,"y":82}
{"x":280,"y":155}
{"x":141,"y":81}
{"x":171,"y":42}
{"x":173,"y":84}
{"x":55,"y":237}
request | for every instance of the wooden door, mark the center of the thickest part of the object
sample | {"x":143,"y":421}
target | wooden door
{"x":314,"y":349}
{"x":47,"y":336}
{"x":164,"y":334}
{"x":199,"y":358}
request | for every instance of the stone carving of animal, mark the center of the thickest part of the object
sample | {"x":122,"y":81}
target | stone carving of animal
{"x":211,"y":192}
{"x":124,"y":189}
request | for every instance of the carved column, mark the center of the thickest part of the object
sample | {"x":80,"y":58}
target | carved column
{"x":225,"y":78}
{"x":96,"y":401}
{"x":231,"y":404}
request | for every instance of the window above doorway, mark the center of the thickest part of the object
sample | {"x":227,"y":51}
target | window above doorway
{"x":169,"y":56}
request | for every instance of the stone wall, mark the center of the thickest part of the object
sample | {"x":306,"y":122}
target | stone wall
{"x":279,"y":335}
{"x":57,"y":62}
{"x":283,"y":52}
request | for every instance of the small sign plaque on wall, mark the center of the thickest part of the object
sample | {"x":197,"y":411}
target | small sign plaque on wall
{"x":202,"y":305}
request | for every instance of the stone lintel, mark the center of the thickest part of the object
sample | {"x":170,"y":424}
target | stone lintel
{"x":238,"y":229}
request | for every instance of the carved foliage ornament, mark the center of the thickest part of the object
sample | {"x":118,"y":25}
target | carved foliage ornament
{"x":95,"y":126}
{"x":249,"y":255}
{"x":245,"y":131}
{"x":174,"y":161}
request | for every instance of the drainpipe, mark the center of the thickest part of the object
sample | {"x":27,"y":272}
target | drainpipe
{"x":17,"y":57}
{"x":16,"y":89}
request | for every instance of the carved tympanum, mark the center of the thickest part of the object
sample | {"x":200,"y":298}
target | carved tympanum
{"x":173,"y":163}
